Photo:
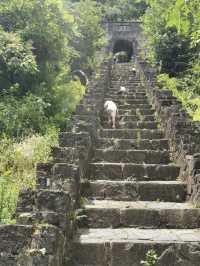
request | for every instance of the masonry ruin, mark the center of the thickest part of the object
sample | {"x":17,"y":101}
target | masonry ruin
{"x":110,"y":195}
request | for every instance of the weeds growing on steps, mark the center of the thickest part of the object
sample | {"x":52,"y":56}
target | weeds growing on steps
{"x":17,"y":167}
{"x":151,"y":258}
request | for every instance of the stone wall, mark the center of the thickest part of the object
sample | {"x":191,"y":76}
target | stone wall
{"x":46,"y":216}
{"x":130,"y":31}
{"x":182,"y":132}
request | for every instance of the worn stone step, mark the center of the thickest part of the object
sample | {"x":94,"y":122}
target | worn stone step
{"x":137,"y":172}
{"x":65,"y":154}
{"x":138,"y":111}
{"x":127,"y":133}
{"x":130,"y":92}
{"x":134,"y":106}
{"x":134,"y":118}
{"x":136,"y":96}
{"x":142,"y":214}
{"x":139,"y":124}
{"x":129,"y":95}
{"x":154,"y":144}
{"x":86,"y":109}
{"x":128,"y":82}
{"x":70,"y":139}
{"x":87,"y":118}
{"x":129,"y":246}
{"x":123,"y":118}
{"x":170,"y":191}
{"x":125,"y":101}
{"x":136,"y":156}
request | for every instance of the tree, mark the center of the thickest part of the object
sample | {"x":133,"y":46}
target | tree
{"x":90,"y":34}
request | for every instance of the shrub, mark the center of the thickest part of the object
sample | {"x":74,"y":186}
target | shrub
{"x":17,"y":167}
{"x":180,"y":88}
{"x":151,"y":258}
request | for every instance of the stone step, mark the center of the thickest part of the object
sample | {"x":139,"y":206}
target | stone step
{"x":131,"y":86}
{"x":86,"y":118}
{"x":131,"y":91}
{"x":86,"y":109}
{"x":122,"y":100}
{"x":144,"y":118}
{"x":65,"y":154}
{"x":140,"y":125}
{"x":134,"y":156}
{"x":139,"y":106}
{"x":141,"y":112}
{"x":129,"y":246}
{"x":70,"y":139}
{"x":131,"y":118}
{"x":134,"y":96}
{"x":154,"y":144}
{"x":116,"y":81}
{"x":130,"y":94}
{"x":131,"y":171}
{"x":142,"y":214}
{"x":127,"y":133}
{"x":169,"y":191}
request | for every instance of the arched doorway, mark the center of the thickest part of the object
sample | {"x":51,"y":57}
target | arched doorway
{"x":123,"y":46}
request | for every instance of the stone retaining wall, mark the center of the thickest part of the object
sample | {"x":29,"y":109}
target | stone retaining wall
{"x":182,"y":132}
{"x":46,"y":216}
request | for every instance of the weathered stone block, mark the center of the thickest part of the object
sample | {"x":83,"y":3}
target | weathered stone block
{"x":26,"y":201}
{"x":65,"y":171}
{"x":14,"y":238}
{"x":56,"y":201}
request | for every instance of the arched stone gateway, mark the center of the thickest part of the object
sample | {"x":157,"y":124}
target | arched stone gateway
{"x":123,"y":46}
{"x":124,"y":36}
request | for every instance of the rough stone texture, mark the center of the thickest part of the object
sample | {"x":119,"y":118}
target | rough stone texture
{"x":129,"y":246}
{"x":143,"y":214}
{"x":136,"y":172}
{"x":133,"y":155}
{"x":131,"y":191}
{"x":45,"y":216}
{"x":44,"y":174}
{"x":56,"y":201}
{"x":179,"y":128}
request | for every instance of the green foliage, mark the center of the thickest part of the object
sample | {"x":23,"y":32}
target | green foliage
{"x":175,"y":45}
{"x":67,"y":97}
{"x":90,"y":34}
{"x":151,"y":258}
{"x":41,"y":42}
{"x":123,"y":10}
{"x":17,"y":64}
{"x":17,"y":167}
{"x":179,"y":87}
{"x":20,"y":117}
{"x":171,"y":43}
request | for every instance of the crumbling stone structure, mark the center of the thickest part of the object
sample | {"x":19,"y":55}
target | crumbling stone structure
{"x":110,"y":195}
{"x":182,"y":132}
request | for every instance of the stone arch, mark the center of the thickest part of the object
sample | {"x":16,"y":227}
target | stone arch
{"x":123,"y":45}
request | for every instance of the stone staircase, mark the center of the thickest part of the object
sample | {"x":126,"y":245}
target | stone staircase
{"x":134,"y":198}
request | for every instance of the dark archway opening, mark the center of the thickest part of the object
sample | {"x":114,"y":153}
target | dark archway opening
{"x":123,"y":46}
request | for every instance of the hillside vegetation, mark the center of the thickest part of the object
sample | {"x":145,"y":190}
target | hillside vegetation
{"x":175,"y":48}
{"x":43,"y":41}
